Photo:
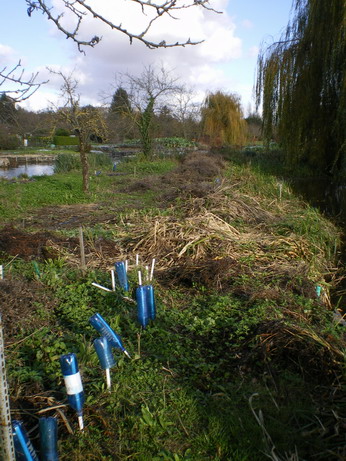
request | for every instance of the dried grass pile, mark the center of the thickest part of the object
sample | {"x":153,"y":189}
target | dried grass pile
{"x":222,"y":226}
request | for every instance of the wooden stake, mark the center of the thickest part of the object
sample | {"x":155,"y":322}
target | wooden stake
{"x":82,"y":252}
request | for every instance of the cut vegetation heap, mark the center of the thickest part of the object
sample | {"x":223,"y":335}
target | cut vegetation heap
{"x":244,"y":360}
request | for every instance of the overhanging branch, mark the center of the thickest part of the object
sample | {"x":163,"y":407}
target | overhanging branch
{"x":80,"y":9}
{"x":24,"y":86}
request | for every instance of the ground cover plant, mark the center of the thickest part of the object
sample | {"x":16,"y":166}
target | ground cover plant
{"x":244,"y":360}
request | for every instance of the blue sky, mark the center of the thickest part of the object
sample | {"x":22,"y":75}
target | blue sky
{"x":225,"y":61}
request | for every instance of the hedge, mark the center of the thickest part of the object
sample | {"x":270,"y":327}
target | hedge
{"x":65,"y":141}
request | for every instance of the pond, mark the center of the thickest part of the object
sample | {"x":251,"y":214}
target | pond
{"x":30,"y":169}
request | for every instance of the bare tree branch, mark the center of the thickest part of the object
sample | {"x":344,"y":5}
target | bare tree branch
{"x":80,"y":9}
{"x":84,"y":121}
{"x":24,"y":87}
{"x":144,"y":92}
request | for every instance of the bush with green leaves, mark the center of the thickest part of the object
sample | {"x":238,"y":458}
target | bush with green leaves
{"x":66,"y":162}
{"x":174,"y":142}
{"x":62,"y":132}
{"x":8,"y":142}
{"x":65,"y":140}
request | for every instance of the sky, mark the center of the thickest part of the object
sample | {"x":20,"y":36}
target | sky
{"x":225,"y":61}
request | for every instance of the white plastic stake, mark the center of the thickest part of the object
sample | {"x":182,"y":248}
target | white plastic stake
{"x":152,"y":269}
{"x":100,"y":286}
{"x":126,"y":265}
{"x":1,"y":272}
{"x":6,"y":439}
{"x":137,"y":259}
{"x":81,"y":422}
{"x":139,"y":278}
{"x":108,"y":378}
{"x":113,"y":280}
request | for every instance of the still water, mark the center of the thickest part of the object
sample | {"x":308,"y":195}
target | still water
{"x":28,"y":169}
{"x":326,"y":195}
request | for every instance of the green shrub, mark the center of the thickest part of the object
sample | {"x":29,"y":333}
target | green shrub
{"x":66,"y":162}
{"x":40,"y":141}
{"x":62,"y":132}
{"x":65,"y":141}
{"x":174,"y":142}
{"x":69,"y":162}
{"x":100,"y":160}
{"x":8,"y":142}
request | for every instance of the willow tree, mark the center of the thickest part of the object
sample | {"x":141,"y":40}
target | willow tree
{"x":222,"y":120}
{"x":302,"y":87}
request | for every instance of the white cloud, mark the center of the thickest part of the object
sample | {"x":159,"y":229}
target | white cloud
{"x":197,"y":65}
{"x":247,"y":24}
{"x":253,"y":51}
{"x":6,"y":52}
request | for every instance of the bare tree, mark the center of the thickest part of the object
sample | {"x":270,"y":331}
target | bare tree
{"x":145,"y":93}
{"x":19,"y":87}
{"x":85,"y":121}
{"x":187,"y":112}
{"x":81,"y":9}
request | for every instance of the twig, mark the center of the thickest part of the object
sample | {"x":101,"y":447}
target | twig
{"x":24,"y":339}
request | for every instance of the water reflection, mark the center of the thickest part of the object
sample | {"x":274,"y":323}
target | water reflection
{"x":28,"y":169}
{"x":324,"y":194}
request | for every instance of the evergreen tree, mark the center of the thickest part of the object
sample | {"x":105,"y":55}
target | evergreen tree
{"x":8,"y":110}
{"x":120,"y":104}
{"x":302,"y":86}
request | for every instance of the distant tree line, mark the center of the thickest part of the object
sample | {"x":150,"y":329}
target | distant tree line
{"x":151,"y":105}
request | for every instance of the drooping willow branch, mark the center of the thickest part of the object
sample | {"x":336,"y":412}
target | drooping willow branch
{"x":301,"y":86}
{"x":80,"y":9}
{"x":24,"y":87}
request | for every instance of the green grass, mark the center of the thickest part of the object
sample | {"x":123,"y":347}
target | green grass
{"x":179,"y":398}
{"x":206,"y":380}
{"x":17,"y":198}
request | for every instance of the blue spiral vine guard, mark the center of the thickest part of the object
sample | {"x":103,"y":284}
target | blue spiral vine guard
{"x":146,"y":307}
{"x":104,"y":352}
{"x":150,"y":296}
{"x":73,"y":384}
{"x":99,"y":323}
{"x":48,"y":439}
{"x":22,"y":445}
{"x":120,"y":269}
{"x":142,"y":306}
